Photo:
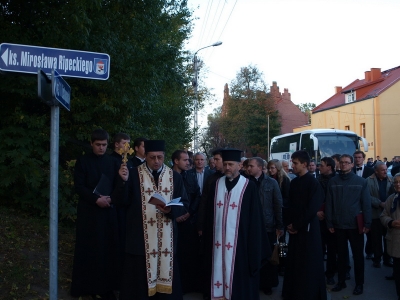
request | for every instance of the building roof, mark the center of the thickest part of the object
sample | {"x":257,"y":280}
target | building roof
{"x":374,"y":83}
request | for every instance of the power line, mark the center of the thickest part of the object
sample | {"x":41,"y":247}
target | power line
{"x":209,"y":5}
{"x":219,"y":38}
{"x":213,"y":28}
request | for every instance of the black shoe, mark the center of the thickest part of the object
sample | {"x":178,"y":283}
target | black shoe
{"x":339,"y":286}
{"x":369,"y":256}
{"x":330,"y":281}
{"x":391,"y":277}
{"x":388,"y":264}
{"x":347,"y":275}
{"x":358,"y":290}
{"x":376,"y":264}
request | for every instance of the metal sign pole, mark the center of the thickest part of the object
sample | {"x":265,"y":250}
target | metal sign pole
{"x":53,"y":249}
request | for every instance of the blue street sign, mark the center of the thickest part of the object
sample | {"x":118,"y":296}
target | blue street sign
{"x":69,"y":63}
{"x":61,"y":91}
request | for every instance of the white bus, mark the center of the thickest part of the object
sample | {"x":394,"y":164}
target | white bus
{"x":317,"y":142}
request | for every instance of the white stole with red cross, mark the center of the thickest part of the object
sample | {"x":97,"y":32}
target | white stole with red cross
{"x":226,"y":225}
{"x":158,"y":231}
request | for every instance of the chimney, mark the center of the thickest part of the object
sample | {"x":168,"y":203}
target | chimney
{"x":338,"y":89}
{"x":367,"y":76}
{"x":375,"y":73}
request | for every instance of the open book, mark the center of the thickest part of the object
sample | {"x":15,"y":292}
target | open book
{"x":158,"y":199}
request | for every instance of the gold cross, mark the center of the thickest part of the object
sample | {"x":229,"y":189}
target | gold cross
{"x":124,"y":152}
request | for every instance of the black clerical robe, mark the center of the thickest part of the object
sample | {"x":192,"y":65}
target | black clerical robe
{"x":304,"y":271}
{"x":96,"y":259}
{"x":134,"y":282}
{"x":252,"y":248}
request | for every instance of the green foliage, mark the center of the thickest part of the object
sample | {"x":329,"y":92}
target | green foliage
{"x":244,"y":124}
{"x":147,"y":94}
{"x":307,"y":108}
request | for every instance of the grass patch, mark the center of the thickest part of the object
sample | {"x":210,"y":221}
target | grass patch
{"x":24,"y":257}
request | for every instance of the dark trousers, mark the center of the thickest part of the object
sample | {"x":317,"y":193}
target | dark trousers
{"x":357,"y":248}
{"x":368,"y":244}
{"x":134,"y":281}
{"x":378,"y":232}
{"x":269,"y":272}
{"x":329,"y":242}
{"x":396,"y":274}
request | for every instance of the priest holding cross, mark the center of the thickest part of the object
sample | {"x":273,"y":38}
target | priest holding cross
{"x":150,"y":263}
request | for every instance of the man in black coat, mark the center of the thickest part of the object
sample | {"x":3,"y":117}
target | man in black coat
{"x":304,"y":272}
{"x":188,"y":239}
{"x":363,"y":171}
{"x":95,"y":267}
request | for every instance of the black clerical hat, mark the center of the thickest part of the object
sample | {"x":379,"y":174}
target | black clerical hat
{"x":154,"y":145}
{"x":231,"y":155}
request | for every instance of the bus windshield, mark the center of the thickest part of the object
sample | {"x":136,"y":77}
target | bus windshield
{"x":330,"y":144}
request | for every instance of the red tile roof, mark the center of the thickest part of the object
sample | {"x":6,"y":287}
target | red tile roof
{"x":364,"y":89}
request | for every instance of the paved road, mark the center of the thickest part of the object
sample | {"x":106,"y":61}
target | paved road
{"x":376,"y":287}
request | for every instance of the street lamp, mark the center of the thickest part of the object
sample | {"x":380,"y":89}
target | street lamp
{"x":194,"y":83}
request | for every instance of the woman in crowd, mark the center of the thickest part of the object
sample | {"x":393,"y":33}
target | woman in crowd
{"x":275,"y":170}
{"x":390,"y":218}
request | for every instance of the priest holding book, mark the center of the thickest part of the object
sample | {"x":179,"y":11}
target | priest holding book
{"x":151,"y":235}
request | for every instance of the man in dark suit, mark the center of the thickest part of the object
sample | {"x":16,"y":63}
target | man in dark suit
{"x":359,"y":168}
{"x":200,"y":171}
{"x":312,"y":168}
{"x":363,"y":171}
{"x":138,"y":145}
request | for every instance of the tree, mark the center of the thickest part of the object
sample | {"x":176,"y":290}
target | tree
{"x":148,"y":92}
{"x":245,"y":124}
{"x":307,"y":108}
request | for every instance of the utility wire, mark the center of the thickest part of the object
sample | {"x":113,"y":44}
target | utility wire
{"x":207,"y":13}
{"x":208,"y":41}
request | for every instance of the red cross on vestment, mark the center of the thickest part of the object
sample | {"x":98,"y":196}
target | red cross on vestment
{"x":220,"y":204}
{"x":149,"y":191}
{"x":166,"y":252}
{"x":233,"y":205}
{"x":166,"y":191}
{"x":154,"y":253}
{"x":218,"y":284}
{"x":229,"y":246}
{"x":167,"y":221}
{"x":217,"y":244}
{"x":151,"y":221}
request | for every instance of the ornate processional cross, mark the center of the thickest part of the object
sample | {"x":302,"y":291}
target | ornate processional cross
{"x":124,"y":152}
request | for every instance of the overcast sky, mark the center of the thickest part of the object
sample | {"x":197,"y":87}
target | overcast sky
{"x":307,"y":46}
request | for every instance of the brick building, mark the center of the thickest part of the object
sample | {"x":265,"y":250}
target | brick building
{"x":291,"y":115}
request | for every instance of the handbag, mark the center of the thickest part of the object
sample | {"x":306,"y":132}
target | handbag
{"x":274,"y":260}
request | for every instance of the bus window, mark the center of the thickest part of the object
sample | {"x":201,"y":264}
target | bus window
{"x":307,"y":144}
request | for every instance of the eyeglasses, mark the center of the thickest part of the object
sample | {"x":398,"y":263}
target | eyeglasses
{"x":345,"y":162}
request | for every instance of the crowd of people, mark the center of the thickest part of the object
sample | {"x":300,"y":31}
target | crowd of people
{"x":147,"y":229}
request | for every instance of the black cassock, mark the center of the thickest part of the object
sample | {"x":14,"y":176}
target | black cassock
{"x":252,"y":249}
{"x":96,"y":258}
{"x":304,"y":270}
{"x":134,"y":281}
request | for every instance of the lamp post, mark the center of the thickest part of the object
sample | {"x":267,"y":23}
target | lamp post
{"x":194,"y":83}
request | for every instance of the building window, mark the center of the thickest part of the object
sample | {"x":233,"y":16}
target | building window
{"x":346,"y":127}
{"x":350,"y":97}
{"x":362,"y":130}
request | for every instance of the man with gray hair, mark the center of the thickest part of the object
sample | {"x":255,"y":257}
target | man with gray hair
{"x":199,"y":169}
{"x":380,"y":186}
